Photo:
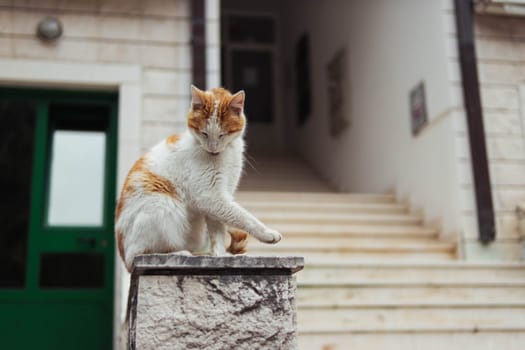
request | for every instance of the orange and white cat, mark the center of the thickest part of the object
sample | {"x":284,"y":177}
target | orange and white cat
{"x":179,"y":196}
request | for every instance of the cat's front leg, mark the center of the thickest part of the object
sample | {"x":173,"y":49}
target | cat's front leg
{"x":232,"y":214}
{"x":216,"y":234}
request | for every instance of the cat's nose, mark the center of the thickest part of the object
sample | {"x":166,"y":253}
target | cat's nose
{"x":214,"y":153}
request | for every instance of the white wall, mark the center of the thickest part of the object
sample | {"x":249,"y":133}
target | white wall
{"x":392,"y":45}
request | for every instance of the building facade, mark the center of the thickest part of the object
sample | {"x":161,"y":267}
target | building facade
{"x":327,"y":81}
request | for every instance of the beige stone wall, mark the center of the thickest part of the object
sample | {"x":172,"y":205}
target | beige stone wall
{"x":500,"y":45}
{"x":154,"y":34}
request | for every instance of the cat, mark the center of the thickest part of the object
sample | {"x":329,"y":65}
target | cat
{"x":179,"y":196}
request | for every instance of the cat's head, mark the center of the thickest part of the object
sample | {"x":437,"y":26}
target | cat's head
{"x":216,"y":118}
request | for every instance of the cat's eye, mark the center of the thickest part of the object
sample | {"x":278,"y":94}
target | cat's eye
{"x":221,"y":136}
{"x":197,"y":107}
{"x":205,"y":134}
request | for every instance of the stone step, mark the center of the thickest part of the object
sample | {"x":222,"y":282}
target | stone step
{"x":285,"y":178}
{"x":288,"y":176}
{"x":375,"y":278}
{"x":412,"y":318}
{"x":272,"y":187}
{"x":277,"y":168}
{"x":276,"y":171}
{"x":338,"y":243}
{"x":352,"y":274}
{"x":372,"y":246}
{"x":366,"y":293}
{"x":449,"y":340}
{"x":313,"y":256}
{"x":315,"y":197}
{"x":276,"y":163}
{"x":343,"y":230}
{"x":263,"y":207}
{"x":283,"y":183}
{"x":340,"y":218}
{"x":269,"y":185}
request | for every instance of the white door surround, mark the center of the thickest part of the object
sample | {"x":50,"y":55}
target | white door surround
{"x":122,"y":78}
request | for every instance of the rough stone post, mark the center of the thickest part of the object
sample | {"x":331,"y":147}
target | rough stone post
{"x":238,"y":302}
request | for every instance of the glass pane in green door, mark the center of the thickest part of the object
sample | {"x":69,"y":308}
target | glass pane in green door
{"x":77,"y":178}
{"x":17,"y":118}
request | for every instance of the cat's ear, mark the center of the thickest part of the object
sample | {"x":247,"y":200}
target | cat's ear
{"x":237,"y":102}
{"x":196,"y":99}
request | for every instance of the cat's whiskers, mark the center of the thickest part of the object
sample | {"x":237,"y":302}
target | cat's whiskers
{"x":247,"y":160}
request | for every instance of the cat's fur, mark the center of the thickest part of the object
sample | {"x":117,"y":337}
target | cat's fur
{"x":179,"y":196}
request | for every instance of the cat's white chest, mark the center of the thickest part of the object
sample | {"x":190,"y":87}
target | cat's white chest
{"x":225,"y":173}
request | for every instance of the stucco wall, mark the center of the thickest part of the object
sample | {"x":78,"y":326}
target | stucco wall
{"x":391,"y":46}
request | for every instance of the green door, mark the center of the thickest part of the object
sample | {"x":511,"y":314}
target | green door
{"x":57,"y":179}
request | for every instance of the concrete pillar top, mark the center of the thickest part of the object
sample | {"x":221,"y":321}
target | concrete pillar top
{"x":173,"y":264}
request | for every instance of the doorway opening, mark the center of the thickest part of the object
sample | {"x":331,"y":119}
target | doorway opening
{"x":250,"y":62}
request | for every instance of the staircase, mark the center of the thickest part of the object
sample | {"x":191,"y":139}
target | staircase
{"x":375,"y":276}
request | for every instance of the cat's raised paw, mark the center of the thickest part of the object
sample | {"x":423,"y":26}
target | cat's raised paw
{"x":272,"y":236}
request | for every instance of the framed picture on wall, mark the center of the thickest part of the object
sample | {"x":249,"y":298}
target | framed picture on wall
{"x":302,"y":79}
{"x":336,"y":74}
{"x":418,"y":108}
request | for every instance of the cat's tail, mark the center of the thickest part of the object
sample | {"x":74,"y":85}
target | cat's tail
{"x":239,"y":241}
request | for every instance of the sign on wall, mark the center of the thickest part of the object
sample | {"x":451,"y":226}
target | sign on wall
{"x":418,"y":108}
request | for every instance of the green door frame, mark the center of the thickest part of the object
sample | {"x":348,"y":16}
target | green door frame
{"x":43,"y":238}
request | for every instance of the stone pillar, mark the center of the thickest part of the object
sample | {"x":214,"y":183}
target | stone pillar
{"x":233,"y":302}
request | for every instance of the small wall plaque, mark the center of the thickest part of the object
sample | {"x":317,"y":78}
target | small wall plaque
{"x":418,"y":108}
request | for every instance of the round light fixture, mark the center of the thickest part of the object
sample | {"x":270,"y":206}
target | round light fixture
{"x":49,"y":29}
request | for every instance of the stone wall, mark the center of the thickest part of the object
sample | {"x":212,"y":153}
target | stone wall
{"x":500,"y":49}
{"x":180,"y":302}
{"x":500,"y":44}
{"x":154,"y":34}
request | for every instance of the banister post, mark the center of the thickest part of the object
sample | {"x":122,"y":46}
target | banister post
{"x":233,"y":302}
